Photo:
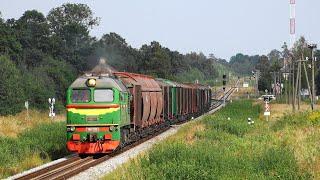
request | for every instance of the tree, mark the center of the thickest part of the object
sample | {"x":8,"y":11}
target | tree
{"x":274,"y":55}
{"x":243,"y":64}
{"x":70,"y":24}
{"x":61,"y":75}
{"x":265,"y":69}
{"x":38,"y":87}
{"x":33,"y":33}
{"x":177,"y":63}
{"x":276,"y":60}
{"x":11,"y":91}
{"x":156,"y":60}
{"x":9,"y":45}
{"x":72,"y":18}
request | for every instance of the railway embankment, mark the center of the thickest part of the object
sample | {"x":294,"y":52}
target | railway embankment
{"x":225,"y":145}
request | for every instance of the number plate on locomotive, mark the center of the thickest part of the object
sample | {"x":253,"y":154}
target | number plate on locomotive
{"x":92,"y":129}
{"x":92,"y":118}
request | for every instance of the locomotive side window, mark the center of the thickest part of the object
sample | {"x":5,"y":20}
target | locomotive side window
{"x":80,"y":95}
{"x":103,"y":95}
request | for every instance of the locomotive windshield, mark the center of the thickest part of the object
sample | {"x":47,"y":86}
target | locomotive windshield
{"x":103,"y":95}
{"x":80,"y":95}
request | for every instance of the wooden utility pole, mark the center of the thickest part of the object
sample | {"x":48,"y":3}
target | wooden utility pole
{"x":285,"y":85}
{"x":293,"y":86}
{"x":307,"y":79}
{"x":298,"y":85}
{"x":312,"y":47}
{"x":280,"y":82}
{"x":290,"y":98}
{"x":299,"y":89}
{"x":288,"y":84}
{"x":257,"y":75}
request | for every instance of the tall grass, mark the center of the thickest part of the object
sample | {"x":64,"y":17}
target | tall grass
{"x":12,"y":125}
{"x":222,"y":149}
{"x":32,"y":147}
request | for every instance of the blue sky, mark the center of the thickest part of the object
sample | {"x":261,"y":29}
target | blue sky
{"x":221,"y":27}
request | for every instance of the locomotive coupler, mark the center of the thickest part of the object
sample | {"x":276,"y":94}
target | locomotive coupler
{"x":92,"y":137}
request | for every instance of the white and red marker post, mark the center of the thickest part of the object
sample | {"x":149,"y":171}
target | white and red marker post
{"x":267,"y":110}
{"x":267,"y":107}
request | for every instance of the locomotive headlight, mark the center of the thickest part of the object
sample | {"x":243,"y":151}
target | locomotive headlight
{"x":111,"y":128}
{"x":71,"y":129}
{"x":91,"y":82}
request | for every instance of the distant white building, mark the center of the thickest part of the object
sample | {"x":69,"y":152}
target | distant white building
{"x":304,"y":92}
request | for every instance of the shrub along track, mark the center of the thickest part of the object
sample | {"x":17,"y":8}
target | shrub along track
{"x":75,"y":164}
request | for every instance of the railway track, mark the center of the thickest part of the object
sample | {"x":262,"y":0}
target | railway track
{"x":218,"y":102}
{"x":76,"y":164}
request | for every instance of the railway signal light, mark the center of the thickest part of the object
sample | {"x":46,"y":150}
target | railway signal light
{"x":224,"y":81}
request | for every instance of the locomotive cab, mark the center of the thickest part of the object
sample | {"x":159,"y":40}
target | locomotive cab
{"x":97,"y":108}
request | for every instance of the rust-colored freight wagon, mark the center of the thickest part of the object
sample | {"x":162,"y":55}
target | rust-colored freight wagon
{"x":147,"y":100}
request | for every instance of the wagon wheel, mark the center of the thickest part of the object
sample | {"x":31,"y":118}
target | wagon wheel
{"x":124,"y":137}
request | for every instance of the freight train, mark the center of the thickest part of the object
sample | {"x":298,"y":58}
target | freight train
{"x":108,"y":110}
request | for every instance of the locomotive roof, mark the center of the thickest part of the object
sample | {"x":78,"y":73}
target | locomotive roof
{"x":101,"y":82}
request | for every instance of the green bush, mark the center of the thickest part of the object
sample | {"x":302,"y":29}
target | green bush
{"x":50,"y":79}
{"x":11,"y":92}
{"x":38,"y":88}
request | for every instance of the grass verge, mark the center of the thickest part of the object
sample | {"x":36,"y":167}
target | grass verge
{"x":218,"y":148}
{"x":12,"y":125}
{"x":32,"y":147}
